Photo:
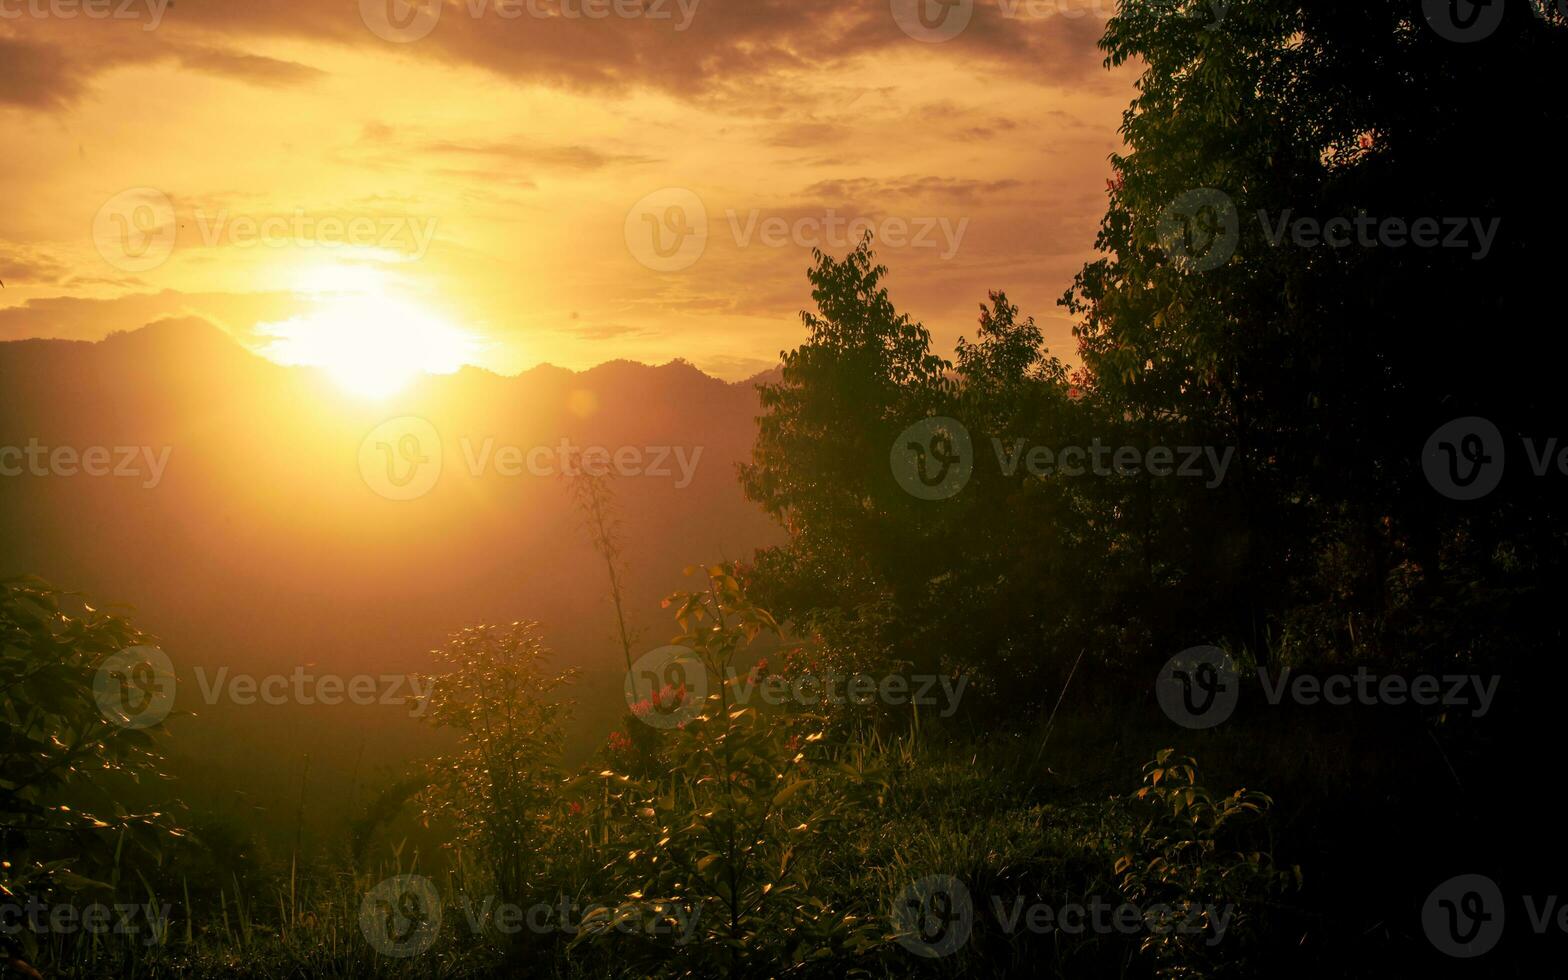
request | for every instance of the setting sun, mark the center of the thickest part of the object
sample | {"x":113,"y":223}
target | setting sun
{"x":371,"y":346}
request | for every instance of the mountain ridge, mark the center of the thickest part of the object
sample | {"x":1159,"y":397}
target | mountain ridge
{"x":198,"y":331}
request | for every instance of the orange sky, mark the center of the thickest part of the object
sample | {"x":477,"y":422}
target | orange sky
{"x":295,"y":170}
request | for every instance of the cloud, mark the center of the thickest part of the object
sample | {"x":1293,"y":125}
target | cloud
{"x":27,"y":265}
{"x":82,"y":318}
{"x":249,"y":67}
{"x":58,"y":65}
{"x":564,"y":157}
{"x":36,"y":76}
{"x":599,"y":331}
{"x":735,"y":51}
{"x":953,"y":190}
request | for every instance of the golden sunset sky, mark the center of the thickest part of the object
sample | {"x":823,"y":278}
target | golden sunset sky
{"x":517,"y":181}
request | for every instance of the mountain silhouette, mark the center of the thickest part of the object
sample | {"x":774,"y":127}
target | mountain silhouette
{"x":260,"y":545}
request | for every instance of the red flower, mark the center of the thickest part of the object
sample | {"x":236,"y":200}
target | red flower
{"x":671,"y":697}
{"x":620,"y":741}
{"x":576,"y":808}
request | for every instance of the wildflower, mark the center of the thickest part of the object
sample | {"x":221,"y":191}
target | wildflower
{"x":669,"y":698}
{"x":620,"y":741}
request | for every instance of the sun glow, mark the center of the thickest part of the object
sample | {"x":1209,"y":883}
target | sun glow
{"x":371,"y":346}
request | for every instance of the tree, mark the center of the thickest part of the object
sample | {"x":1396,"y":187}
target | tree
{"x":68,"y":749}
{"x":1329,"y":367}
{"x":820,"y":463}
